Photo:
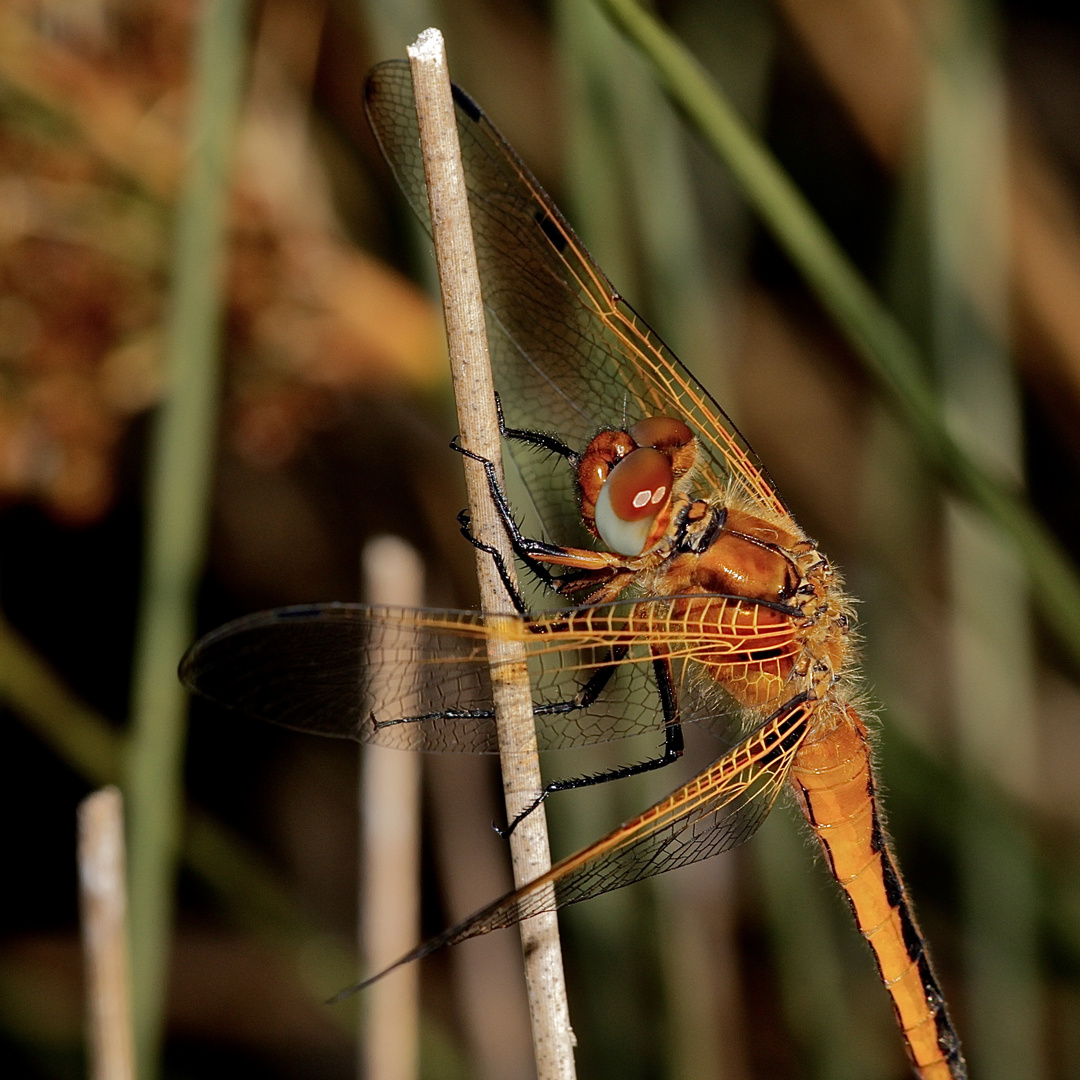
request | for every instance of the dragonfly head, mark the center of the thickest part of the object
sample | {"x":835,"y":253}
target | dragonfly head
{"x":626,"y":480}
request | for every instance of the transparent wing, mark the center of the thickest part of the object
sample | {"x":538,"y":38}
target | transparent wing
{"x":569,"y":355}
{"x":419,"y":679}
{"x":716,"y":811}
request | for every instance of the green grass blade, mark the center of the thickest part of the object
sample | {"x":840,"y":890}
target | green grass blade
{"x":178,"y":505}
{"x":992,"y":642}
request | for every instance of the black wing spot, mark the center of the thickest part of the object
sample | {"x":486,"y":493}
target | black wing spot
{"x":307,"y":611}
{"x":784,"y":746}
{"x":466,"y":104}
{"x":551,"y":230}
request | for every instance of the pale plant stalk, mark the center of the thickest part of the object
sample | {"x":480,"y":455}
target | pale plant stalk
{"x":256,"y":898}
{"x":389,"y":1044}
{"x":474,"y":391}
{"x":103,"y":909}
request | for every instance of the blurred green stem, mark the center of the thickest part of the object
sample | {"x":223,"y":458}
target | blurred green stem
{"x":180,"y":465}
{"x":992,"y":654}
{"x":81,"y":737}
{"x":889,"y":354}
{"x":817,"y":1006}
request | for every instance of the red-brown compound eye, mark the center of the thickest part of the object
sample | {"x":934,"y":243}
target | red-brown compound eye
{"x":636,"y":490}
{"x":660,"y":432}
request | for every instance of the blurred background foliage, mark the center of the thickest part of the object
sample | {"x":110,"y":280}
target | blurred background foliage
{"x":937,"y":140}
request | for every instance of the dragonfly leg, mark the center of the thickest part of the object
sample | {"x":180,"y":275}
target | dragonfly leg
{"x":569,"y":582}
{"x":541,"y":571}
{"x":590,"y":567}
{"x":539,"y":439}
{"x":589,"y":692}
{"x":427,"y":718}
{"x":525,"y":547}
{"x":673,"y":748}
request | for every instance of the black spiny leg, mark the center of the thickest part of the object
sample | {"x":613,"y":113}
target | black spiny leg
{"x":590,"y":689}
{"x":589,"y":692}
{"x":465,"y":521}
{"x":538,"y":439}
{"x":560,"y":583}
{"x":673,"y":749}
{"x":529,"y":551}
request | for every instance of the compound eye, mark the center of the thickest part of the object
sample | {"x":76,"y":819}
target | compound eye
{"x":661,"y":432}
{"x":635,"y":491}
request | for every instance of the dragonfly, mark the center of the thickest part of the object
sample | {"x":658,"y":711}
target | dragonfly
{"x":689,"y":594}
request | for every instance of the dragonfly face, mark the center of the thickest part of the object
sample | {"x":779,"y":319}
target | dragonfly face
{"x":701,"y":598}
{"x":628,"y":481}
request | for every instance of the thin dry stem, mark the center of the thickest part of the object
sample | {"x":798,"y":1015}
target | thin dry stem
{"x":474,"y":391}
{"x":389,"y":1046}
{"x":103,"y":901}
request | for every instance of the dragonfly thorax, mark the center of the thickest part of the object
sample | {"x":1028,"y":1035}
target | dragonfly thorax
{"x":748,"y":557}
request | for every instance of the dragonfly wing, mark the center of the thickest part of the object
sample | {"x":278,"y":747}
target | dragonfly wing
{"x":341,"y":669}
{"x":420,"y":680}
{"x":716,"y":811}
{"x":569,"y":355}
{"x":702,"y":639}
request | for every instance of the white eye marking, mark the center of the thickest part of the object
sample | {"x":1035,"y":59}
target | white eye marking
{"x":658,"y":494}
{"x":620,"y":535}
{"x":643,"y":498}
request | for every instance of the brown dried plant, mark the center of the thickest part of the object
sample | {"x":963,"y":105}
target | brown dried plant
{"x":93,"y":102}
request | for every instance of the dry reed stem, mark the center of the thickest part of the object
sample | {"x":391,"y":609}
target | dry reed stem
{"x":103,"y":903}
{"x":474,"y":392}
{"x":389,"y":1045}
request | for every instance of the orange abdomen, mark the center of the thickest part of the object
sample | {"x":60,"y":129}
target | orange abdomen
{"x":834,"y":783}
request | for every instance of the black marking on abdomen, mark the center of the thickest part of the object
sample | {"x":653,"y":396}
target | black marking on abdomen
{"x":947,"y":1039}
{"x":913,"y":942}
{"x":808,"y":800}
{"x":894,"y":889}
